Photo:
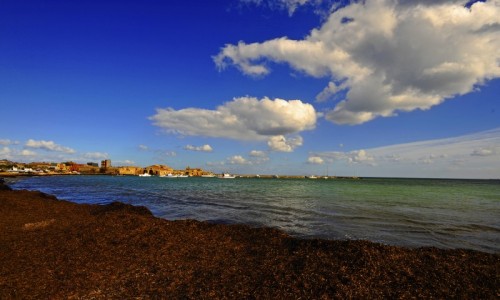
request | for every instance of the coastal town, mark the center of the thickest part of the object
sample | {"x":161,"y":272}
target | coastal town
{"x":93,"y":168}
{"x":10,"y":168}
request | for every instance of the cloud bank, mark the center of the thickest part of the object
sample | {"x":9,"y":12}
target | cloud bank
{"x":244,"y":118}
{"x":468,"y":156}
{"x":387,"y":56}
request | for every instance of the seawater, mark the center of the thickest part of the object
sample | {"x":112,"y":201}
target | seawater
{"x":406,"y":212}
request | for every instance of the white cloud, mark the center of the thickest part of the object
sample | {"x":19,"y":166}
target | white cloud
{"x":291,"y":5}
{"x":170,"y":153}
{"x":26,"y":152}
{"x":143,"y":148}
{"x":244,"y":118}
{"x":126,"y":162}
{"x":258,"y":153}
{"x":216,"y":163}
{"x":48,"y":145}
{"x":256,"y":158}
{"x":389,"y":55}
{"x":356,"y":156}
{"x":482,"y":152}
{"x":204,"y":148}
{"x":282,"y":144}
{"x":5,"y":152}
{"x":360,"y":156}
{"x":469,"y":156}
{"x":238,"y":160}
{"x":315,"y":160}
{"x":7,"y":142}
{"x":96,"y":155}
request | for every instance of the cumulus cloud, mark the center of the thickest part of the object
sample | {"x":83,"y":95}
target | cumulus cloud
{"x":48,"y":145}
{"x":282,"y":144}
{"x":238,"y":160}
{"x":315,"y":160}
{"x":204,"y":148}
{"x":26,"y":152}
{"x":356,"y":156}
{"x":244,"y":118}
{"x":360,"y":156}
{"x":387,"y":56}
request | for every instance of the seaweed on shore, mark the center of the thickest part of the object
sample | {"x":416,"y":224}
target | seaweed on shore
{"x":58,"y":249}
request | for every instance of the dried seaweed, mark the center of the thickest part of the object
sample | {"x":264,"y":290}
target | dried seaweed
{"x":120,"y":251}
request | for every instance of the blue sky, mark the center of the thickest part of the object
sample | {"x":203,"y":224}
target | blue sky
{"x":369,"y":88}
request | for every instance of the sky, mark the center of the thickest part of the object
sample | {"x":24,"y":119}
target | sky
{"x":389,"y":88}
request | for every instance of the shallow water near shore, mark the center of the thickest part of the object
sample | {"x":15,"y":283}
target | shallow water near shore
{"x":406,"y":212}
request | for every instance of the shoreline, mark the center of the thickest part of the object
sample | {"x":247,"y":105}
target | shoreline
{"x":52,"y":248}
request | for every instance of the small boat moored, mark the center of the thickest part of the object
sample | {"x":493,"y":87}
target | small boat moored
{"x":226,"y":176}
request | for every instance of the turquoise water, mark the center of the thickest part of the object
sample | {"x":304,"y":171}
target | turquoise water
{"x":408,"y":212}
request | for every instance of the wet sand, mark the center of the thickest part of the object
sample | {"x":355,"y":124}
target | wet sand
{"x":56,"y":249}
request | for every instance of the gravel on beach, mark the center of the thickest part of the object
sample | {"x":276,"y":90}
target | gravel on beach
{"x":56,"y":249}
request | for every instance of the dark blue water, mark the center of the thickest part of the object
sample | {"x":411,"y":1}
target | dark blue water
{"x":407,"y":212}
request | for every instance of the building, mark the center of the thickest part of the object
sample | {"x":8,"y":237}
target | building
{"x":93,"y":164}
{"x":40,"y":165}
{"x":194,"y":172}
{"x":4,"y":162}
{"x":130,"y":170}
{"x":87,"y":169}
{"x":106,"y":163}
{"x":158,"y":170}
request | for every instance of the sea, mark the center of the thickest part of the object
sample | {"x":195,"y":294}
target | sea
{"x":443,"y":213}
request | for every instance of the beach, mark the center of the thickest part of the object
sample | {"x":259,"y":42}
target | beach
{"x":51,"y":248}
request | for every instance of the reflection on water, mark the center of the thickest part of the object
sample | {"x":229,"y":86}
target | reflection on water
{"x":410,"y":212}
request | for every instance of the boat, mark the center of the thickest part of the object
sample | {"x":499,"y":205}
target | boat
{"x":170,"y":175}
{"x":208,"y":176}
{"x":312,"y":177}
{"x":226,"y":176}
{"x":145,"y":175}
{"x":182,"y":176}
